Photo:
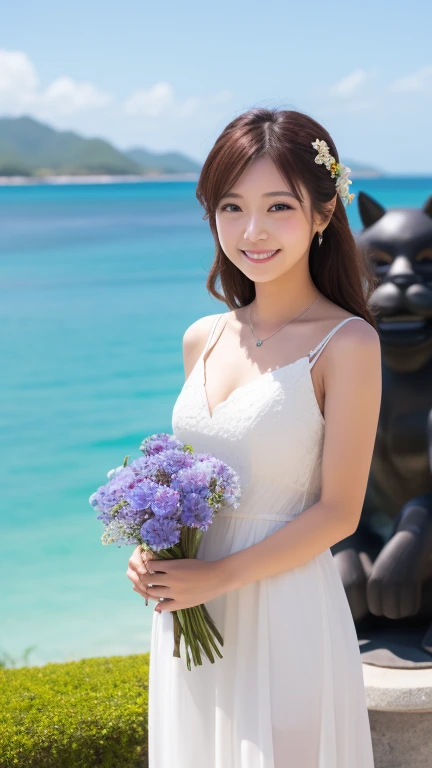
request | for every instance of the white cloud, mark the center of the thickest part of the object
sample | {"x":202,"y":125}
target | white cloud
{"x":20,"y":91}
{"x":350,"y":84}
{"x":151,"y":103}
{"x":157,"y":101}
{"x":418,"y":81}
{"x":68,"y":96}
{"x":17,"y":73}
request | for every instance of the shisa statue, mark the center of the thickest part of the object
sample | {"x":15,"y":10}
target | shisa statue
{"x":386,"y":566}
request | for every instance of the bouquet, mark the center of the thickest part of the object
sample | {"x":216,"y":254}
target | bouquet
{"x":164,"y":501}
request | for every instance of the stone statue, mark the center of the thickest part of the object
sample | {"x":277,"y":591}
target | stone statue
{"x":386,"y":566}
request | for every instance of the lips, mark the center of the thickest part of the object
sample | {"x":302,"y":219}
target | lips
{"x":259,"y":256}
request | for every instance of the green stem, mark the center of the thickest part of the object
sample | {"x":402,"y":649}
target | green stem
{"x":177,"y":634}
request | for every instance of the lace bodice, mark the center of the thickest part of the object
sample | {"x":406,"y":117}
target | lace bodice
{"x":269,"y":430}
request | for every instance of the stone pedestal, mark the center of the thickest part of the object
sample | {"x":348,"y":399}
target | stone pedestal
{"x":400,"y":714}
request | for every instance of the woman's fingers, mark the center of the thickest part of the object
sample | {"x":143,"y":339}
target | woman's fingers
{"x":135,"y":578}
{"x":139,"y":586}
{"x":140,"y":571}
{"x":146,"y":558}
{"x":135,"y":561}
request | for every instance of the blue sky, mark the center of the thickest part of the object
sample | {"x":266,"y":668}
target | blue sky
{"x":170,"y":75}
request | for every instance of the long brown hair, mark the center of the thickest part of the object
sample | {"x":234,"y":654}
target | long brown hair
{"x":339,"y":268}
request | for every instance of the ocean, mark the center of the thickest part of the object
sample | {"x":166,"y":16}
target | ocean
{"x":98,"y":284}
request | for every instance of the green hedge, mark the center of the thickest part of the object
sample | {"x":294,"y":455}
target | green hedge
{"x":80,"y":714}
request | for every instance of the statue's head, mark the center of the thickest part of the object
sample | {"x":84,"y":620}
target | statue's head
{"x":400,"y":243}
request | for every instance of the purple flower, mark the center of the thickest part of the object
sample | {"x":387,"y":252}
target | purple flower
{"x":161,"y":533}
{"x":174,"y":460}
{"x":104,"y":499}
{"x":106,"y":517}
{"x":141,"y":465}
{"x":166,"y":502}
{"x":192,"y":480}
{"x":132,"y":518}
{"x":196,"y":512}
{"x":159,"y":442}
{"x":123,"y":479}
{"x":143,"y":495}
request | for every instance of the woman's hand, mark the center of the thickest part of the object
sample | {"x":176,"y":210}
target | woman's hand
{"x":185,"y":582}
{"x":139,"y":570}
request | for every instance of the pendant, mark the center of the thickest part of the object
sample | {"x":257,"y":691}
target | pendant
{"x":258,"y":343}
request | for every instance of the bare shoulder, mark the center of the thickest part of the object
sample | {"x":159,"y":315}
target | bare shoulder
{"x":355,"y":350}
{"x":194,"y":340}
{"x":356,"y":336}
{"x":361,"y":332}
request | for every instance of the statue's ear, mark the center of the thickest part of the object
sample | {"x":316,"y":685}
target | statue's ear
{"x":370,"y":211}
{"x":428,"y":206}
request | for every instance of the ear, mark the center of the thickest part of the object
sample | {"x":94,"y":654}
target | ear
{"x":369,"y":209}
{"x":428,"y":206}
{"x":322,"y":221}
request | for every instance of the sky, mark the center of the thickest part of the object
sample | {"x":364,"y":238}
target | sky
{"x":169,"y":76}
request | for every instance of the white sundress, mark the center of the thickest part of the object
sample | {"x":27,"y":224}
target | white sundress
{"x":289,"y":690}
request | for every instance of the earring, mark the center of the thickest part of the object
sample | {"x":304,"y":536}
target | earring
{"x":320,"y":238}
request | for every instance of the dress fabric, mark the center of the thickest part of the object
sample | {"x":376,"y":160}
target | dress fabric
{"x":289,"y":690}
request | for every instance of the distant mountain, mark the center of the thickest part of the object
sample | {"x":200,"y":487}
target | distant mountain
{"x":168,"y":162}
{"x":31,"y":148}
{"x":37,"y":149}
{"x":361,"y":169}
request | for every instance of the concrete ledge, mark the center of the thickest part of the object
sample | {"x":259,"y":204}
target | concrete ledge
{"x":398,"y":690}
{"x":400,"y":714}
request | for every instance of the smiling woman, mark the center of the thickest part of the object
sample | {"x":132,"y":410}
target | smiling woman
{"x":277,"y":387}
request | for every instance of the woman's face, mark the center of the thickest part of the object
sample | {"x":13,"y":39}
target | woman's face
{"x":252,"y":218}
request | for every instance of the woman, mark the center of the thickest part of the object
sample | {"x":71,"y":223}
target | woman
{"x":289,"y":690}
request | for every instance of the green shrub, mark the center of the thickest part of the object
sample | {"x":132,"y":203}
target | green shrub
{"x":80,"y":714}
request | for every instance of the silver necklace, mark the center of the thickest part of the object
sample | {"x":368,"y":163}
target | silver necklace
{"x":259,"y":342}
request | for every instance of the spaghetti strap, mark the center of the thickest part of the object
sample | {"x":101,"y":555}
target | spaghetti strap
{"x":327,"y":338}
{"x":218,"y":317}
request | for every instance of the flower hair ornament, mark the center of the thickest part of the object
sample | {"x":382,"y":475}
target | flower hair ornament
{"x":337,"y":169}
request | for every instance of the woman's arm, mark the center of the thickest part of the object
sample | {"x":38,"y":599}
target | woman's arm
{"x":352,"y":382}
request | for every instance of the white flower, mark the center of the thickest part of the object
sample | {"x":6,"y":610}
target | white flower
{"x":113,"y":472}
{"x":342,"y":182}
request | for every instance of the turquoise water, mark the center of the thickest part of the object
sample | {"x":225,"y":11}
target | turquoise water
{"x":98,"y":284}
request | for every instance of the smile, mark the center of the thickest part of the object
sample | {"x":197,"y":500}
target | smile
{"x":263,"y":256}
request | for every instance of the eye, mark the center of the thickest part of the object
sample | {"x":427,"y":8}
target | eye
{"x":288,"y":207}
{"x":425,"y":255}
{"x":229,"y":205}
{"x":381,"y":258}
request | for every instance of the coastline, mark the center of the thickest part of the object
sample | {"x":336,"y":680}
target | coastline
{"x":18,"y":181}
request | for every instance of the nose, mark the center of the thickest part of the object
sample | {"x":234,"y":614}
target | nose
{"x":401,"y":272}
{"x":254,"y":231}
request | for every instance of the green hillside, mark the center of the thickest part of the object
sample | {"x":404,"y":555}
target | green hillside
{"x":168,"y":162}
{"x":31,"y":148}
{"x":40,"y":150}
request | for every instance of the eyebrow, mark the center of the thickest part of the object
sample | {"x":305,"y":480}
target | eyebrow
{"x":266,"y":194}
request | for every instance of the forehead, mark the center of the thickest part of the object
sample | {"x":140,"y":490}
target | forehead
{"x":262,"y":178}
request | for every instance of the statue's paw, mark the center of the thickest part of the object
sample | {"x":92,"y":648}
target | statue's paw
{"x":352,"y":571}
{"x":395,"y":600}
